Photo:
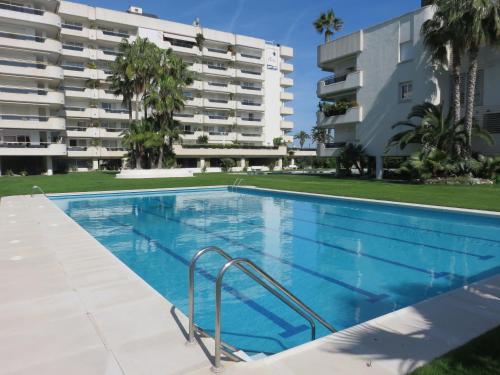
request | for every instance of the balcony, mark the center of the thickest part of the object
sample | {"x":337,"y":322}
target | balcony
{"x":286,"y":111}
{"x":107,"y":55}
{"x":218,"y":120}
{"x":286,"y":68}
{"x":286,"y":96}
{"x":218,"y":103}
{"x":335,"y":85}
{"x":29,"y":16}
{"x":249,"y":74}
{"x":80,"y":32}
{"x":81,"y":112}
{"x":220,"y":137}
{"x":286,"y":82}
{"x":218,"y":70}
{"x":31,"y":96}
{"x":349,"y":45}
{"x":189,"y":118}
{"x":331,"y":149}
{"x":195,"y":67}
{"x":15,"y":121}
{"x":247,"y":105}
{"x":110,"y":36}
{"x":286,"y":125}
{"x":218,"y":53}
{"x":183,"y":49}
{"x":249,"y":90}
{"x":206,"y":151}
{"x":196,"y":85}
{"x":32,"y":149}
{"x":31,"y":69}
{"x":218,"y":87}
{"x":30,"y":43}
{"x":82,"y":132}
{"x":352,"y":116}
{"x":114,"y":114}
{"x":286,"y":52}
{"x":249,"y":121}
{"x":250,"y":137}
{"x":83,"y":151}
{"x":249,"y":58}
{"x":113,"y":152}
{"x":78,"y":51}
{"x":193,"y":102}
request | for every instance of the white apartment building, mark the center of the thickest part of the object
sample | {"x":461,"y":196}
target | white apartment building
{"x":384,"y":71}
{"x":56,"y":108}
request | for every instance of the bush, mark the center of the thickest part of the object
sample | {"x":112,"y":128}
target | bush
{"x":23,"y":173}
{"x":226,"y":164}
{"x":337,"y":108}
{"x":202,"y":140}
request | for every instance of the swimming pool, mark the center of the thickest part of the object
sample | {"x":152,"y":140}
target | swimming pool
{"x":349,"y":260}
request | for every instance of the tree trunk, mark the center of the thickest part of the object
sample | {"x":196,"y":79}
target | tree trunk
{"x":137,"y":158}
{"x":471,"y":90}
{"x":160,"y":157}
{"x":136,"y":107}
{"x":455,"y":85}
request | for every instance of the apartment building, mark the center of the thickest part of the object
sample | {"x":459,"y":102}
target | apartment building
{"x":383,"y":71}
{"x":57,"y":110}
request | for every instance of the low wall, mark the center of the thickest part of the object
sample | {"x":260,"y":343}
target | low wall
{"x":155,"y":173}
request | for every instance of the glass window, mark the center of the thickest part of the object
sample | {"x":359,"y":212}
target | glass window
{"x":405,"y":91}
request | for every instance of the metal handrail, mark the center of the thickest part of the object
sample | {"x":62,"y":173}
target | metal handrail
{"x":218,"y":300}
{"x":35,"y":187}
{"x":222,"y":253}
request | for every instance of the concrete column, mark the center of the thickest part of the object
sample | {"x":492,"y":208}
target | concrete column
{"x":202,"y":163}
{"x":95,"y":164}
{"x":242,"y":162}
{"x":292,"y":161}
{"x":0,"y":166}
{"x":379,"y":167}
{"x":280,"y":163}
{"x":48,"y":161}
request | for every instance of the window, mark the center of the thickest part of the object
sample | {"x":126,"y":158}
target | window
{"x":405,"y":51}
{"x":405,"y":91}
{"x":405,"y":40}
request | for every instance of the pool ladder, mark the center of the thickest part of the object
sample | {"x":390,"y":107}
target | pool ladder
{"x":35,"y":187}
{"x":262,"y":278}
{"x":236,"y":184}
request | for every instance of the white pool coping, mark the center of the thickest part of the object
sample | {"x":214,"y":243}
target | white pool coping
{"x":69,"y":306}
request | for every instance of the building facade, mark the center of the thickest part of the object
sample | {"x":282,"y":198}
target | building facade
{"x":57,"y":111}
{"x":382,"y":72}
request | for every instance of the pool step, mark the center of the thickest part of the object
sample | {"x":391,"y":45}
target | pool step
{"x":249,"y":358}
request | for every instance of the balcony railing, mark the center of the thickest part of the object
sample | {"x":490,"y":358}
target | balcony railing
{"x":115,"y":33}
{"x":24,"y":118}
{"x":218,"y":133}
{"x":335,"y":144}
{"x":73,"y":88}
{"x":22,"y":9}
{"x":334,"y":79}
{"x":17,"y":90}
{"x":248,"y":56}
{"x":77,"y":109}
{"x":216,"y":50}
{"x":250,"y":103}
{"x":251,"y":88}
{"x":251,"y":119}
{"x":76,"y":68}
{"x":217,"y":117}
{"x":23,"y":64}
{"x":33,"y":38}
{"x":110,"y":52}
{"x":72,"y":27}
{"x":218,"y":84}
{"x":251,"y":72}
{"x":26,"y":144}
{"x":222,"y":101}
{"x":77,"y":148}
{"x":216,"y":67}
{"x":72,"y":47}
{"x":117,"y":110}
{"x":250,"y":135}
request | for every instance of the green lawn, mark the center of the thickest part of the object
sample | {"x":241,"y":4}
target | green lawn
{"x":478,"y":357}
{"x":478,"y":197}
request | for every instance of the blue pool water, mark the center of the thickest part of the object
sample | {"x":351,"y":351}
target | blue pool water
{"x":350,"y":261}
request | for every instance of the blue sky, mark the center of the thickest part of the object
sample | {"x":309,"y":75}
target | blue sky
{"x":287,"y":22}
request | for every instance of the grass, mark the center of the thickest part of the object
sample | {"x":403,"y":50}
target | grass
{"x":480,"y":356}
{"x":485,"y":197}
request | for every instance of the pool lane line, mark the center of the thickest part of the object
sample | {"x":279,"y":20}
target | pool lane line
{"x":481,"y":257}
{"x":372,"y":297}
{"x":289,"y":330}
{"x":436,"y":275}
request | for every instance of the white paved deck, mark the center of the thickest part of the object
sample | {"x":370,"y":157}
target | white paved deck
{"x":68,"y":306}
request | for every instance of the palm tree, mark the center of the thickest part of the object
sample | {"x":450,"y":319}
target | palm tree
{"x":442,"y":32}
{"x":328,"y":23}
{"x":434,"y":131}
{"x":166,"y":97}
{"x":481,"y":26}
{"x":119,"y":79}
{"x":135,"y":138}
{"x":302,"y":137}
{"x":319,"y":135}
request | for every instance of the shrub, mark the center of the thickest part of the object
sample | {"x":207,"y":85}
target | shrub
{"x":271,"y":166}
{"x":202,"y":140}
{"x":226,"y":164}
{"x":277,"y":141}
{"x":337,"y":108}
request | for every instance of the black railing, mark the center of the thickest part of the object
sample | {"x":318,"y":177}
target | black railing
{"x":73,"y":67}
{"x":19,"y":8}
{"x":112,"y":53}
{"x":217,"y":84}
{"x":216,"y":67}
{"x":117,"y":110}
{"x":216,"y":50}
{"x":23,"y":64}
{"x":72,"y":27}
{"x":24,"y":118}
{"x":250,"y":56}
{"x":253,"y":88}
{"x":335,"y":145}
{"x":34,"y":38}
{"x":218,"y":101}
{"x":72,"y":47}
{"x":251,"y":119}
{"x":16,"y":90}
{"x":250,"y":72}
{"x":217,"y":117}
{"x":115,"y":33}
{"x":334,"y":79}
